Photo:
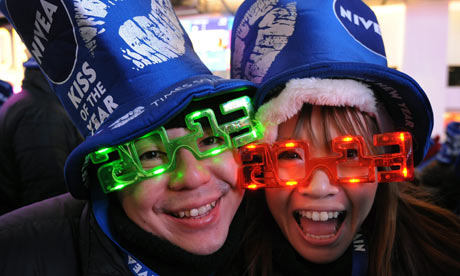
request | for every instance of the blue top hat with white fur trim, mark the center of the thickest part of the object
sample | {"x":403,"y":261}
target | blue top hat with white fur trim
{"x":274,"y":41}
{"x":120,"y":68}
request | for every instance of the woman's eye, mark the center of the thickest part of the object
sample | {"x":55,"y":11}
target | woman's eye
{"x":352,"y":153}
{"x":211,"y":140}
{"x":289,"y":155}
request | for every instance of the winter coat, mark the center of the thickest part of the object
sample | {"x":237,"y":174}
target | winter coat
{"x":58,"y":236}
{"x":36,"y":136}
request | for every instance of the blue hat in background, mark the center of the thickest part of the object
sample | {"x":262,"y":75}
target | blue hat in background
{"x":274,"y":41}
{"x":120,"y":68}
{"x":31,"y":63}
{"x":450,"y":149}
{"x":6,"y":90}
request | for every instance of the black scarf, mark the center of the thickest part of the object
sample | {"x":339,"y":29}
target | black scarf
{"x":288,"y":262}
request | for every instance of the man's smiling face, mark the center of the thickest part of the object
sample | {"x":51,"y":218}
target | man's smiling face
{"x":192,"y":206}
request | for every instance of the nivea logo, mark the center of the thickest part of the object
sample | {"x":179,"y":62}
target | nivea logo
{"x":46,"y":29}
{"x":361,"y":24}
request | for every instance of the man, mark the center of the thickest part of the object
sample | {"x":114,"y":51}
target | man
{"x":155,"y":175}
{"x":441,"y":173}
{"x":36,"y":136}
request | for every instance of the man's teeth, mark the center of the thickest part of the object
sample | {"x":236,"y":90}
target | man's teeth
{"x":319,"y":216}
{"x":196,"y":211}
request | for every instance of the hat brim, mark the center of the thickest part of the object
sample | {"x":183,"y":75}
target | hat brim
{"x":140,"y":116}
{"x":405,"y":101}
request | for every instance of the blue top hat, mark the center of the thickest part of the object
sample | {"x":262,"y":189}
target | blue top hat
{"x":120,"y":68}
{"x":274,"y":41}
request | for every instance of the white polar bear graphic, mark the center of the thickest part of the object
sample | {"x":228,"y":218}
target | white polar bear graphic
{"x":275,"y":25}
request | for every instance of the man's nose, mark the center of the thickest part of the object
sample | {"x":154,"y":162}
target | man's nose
{"x":189,"y":172}
{"x":319,"y":186}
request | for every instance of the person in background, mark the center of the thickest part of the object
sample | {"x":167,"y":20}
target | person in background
{"x":6,"y":90}
{"x":442,"y":172}
{"x":433,"y":149}
{"x":154,"y":184}
{"x":36,"y":136}
{"x":342,"y":134}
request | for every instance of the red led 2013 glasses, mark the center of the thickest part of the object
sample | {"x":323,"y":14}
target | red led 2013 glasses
{"x":289,"y":163}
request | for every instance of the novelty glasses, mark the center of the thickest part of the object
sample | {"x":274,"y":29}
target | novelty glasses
{"x":289,"y":163}
{"x":154,"y":153}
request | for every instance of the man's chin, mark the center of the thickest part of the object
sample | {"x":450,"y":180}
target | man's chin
{"x":203,"y":235}
{"x":204,"y":246}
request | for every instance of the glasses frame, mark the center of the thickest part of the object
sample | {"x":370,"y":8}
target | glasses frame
{"x":110,"y":173}
{"x":259,"y":163}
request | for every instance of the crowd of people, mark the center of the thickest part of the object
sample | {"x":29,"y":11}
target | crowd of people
{"x":125,"y":155}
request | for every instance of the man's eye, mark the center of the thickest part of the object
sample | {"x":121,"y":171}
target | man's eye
{"x":151,"y":155}
{"x":287,"y":155}
{"x":212,"y":140}
{"x":352,"y":153}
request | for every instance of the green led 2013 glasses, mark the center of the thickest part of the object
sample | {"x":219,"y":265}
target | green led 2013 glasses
{"x":154,"y":153}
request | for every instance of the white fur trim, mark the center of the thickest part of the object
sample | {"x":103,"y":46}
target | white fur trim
{"x":330,"y":92}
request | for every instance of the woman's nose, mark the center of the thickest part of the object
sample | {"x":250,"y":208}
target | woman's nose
{"x":320,"y":185}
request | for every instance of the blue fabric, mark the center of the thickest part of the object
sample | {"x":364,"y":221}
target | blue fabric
{"x":120,"y":68}
{"x":31,"y":63}
{"x":360,"y":255}
{"x":274,"y":41}
{"x":450,"y":149}
{"x":6,"y":90}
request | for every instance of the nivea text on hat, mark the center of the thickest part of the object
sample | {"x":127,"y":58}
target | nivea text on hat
{"x":41,"y":24}
{"x":358,"y":20}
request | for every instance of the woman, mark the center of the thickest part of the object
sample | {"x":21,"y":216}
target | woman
{"x":155,"y":177}
{"x":323,"y":81}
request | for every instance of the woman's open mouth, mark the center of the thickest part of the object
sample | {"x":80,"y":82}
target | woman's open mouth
{"x":319,"y":225}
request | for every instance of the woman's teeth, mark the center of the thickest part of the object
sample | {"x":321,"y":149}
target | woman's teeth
{"x":320,"y":237}
{"x":319,"y":216}
{"x":325,"y":223}
{"x":196,"y":211}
